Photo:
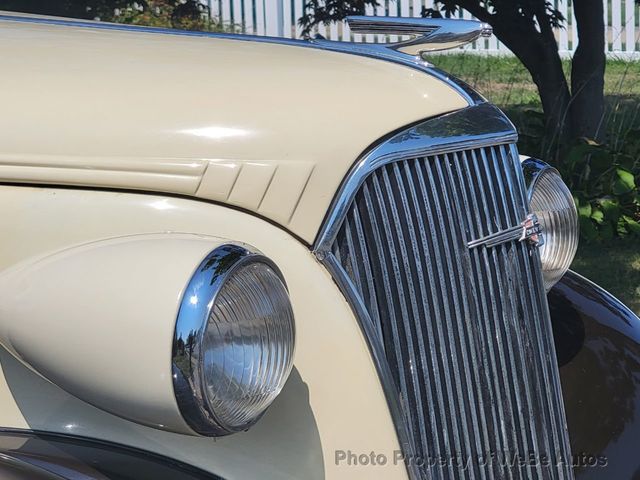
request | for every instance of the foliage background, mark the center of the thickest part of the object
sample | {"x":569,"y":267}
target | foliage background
{"x":603,"y":177}
{"x":182,"y":14}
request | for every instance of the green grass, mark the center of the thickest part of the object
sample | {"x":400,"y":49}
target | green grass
{"x":614,"y":266}
{"x":504,"y":81}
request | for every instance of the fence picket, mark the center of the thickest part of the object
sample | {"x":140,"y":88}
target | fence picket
{"x":574,"y":29}
{"x":272,"y":20}
{"x":322,"y":30}
{"x":392,"y":8}
{"x":380,"y":12}
{"x":225,"y":13}
{"x":403,"y":8}
{"x":248,"y":8}
{"x":416,"y":6}
{"x":630,"y":25}
{"x":287,"y":24}
{"x":616,"y":25}
{"x":214,"y":8}
{"x":280,"y":18}
{"x":260,"y":18}
{"x":369,"y":11}
{"x":333,"y":31}
{"x":236,"y":13}
{"x":298,"y":11}
{"x":607,"y":30}
{"x":563,"y":40}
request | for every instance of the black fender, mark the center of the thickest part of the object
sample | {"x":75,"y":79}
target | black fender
{"x":33,"y":455}
{"x":597,"y":341}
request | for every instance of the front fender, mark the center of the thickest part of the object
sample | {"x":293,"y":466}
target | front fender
{"x":597,"y":342}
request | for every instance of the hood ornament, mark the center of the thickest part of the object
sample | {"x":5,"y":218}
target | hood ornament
{"x":529,"y":230}
{"x":429,"y":34}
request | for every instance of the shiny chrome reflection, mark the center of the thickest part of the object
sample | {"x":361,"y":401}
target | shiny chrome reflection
{"x":461,"y":337}
{"x":233,"y":342}
{"x":430,"y":34}
{"x":529,"y":230}
{"x":473,"y":127}
{"x":552,"y":202}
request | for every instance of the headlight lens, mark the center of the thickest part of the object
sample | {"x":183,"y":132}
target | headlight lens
{"x":551,"y":200}
{"x":233,"y":349}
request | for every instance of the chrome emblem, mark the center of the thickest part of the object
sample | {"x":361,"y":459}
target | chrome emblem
{"x":529,"y":230}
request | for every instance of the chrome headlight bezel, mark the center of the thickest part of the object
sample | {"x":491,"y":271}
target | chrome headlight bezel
{"x":196,"y":307}
{"x":559,"y":222}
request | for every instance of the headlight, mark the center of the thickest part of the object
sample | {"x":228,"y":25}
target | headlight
{"x":551,"y":201}
{"x":234,"y":340}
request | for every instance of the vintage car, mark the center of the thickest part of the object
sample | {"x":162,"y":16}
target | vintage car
{"x":260,"y":258}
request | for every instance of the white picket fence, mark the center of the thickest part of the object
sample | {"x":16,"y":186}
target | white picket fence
{"x":279,"y":18}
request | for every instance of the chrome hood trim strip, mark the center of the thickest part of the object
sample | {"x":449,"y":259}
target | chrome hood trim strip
{"x":475,"y":126}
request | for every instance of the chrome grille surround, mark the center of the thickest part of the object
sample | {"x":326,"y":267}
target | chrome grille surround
{"x":461,"y":339}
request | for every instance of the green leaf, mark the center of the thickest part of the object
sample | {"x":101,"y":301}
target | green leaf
{"x":585,"y":210}
{"x":632,"y":225}
{"x":597,"y":216}
{"x":588,"y":229}
{"x":578,"y":154}
{"x":621,"y":228}
{"x":610,"y":208}
{"x":576,"y":200}
{"x":623,"y":182}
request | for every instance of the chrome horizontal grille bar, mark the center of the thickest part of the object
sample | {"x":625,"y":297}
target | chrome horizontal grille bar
{"x":465,"y":332}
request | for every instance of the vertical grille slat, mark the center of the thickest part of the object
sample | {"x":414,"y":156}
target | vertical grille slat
{"x":450,"y":438}
{"x":490,"y":313}
{"x":441,"y":440}
{"x":465,"y":331}
{"x":488,"y":363}
{"x":503,"y":300}
{"x":408,"y":304}
{"x":395,"y":353}
{"x":526,"y":408}
{"x":404,"y":217}
{"x":548,"y":404}
{"x":462,"y":389}
{"x":370,"y":296}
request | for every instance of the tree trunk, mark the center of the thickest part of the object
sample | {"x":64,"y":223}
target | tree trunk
{"x":587,"y":71}
{"x":537,"y":49}
{"x":538,"y":52}
{"x":549,"y":77}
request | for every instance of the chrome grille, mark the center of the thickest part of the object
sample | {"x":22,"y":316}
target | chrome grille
{"x":465,"y":333}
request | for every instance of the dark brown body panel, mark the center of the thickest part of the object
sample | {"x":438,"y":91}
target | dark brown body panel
{"x":598,"y":347}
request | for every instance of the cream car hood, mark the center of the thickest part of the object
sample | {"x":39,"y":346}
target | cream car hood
{"x":265,"y":127}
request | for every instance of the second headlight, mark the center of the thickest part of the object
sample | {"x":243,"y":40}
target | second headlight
{"x":552,"y":202}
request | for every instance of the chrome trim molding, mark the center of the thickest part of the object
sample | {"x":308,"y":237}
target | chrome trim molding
{"x":478,"y":125}
{"x":430,"y":34}
{"x":475,"y":126}
{"x":378,"y":51}
{"x":193,"y":314}
{"x":447,"y":325}
{"x":532,"y":168}
{"x":529,"y":230}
